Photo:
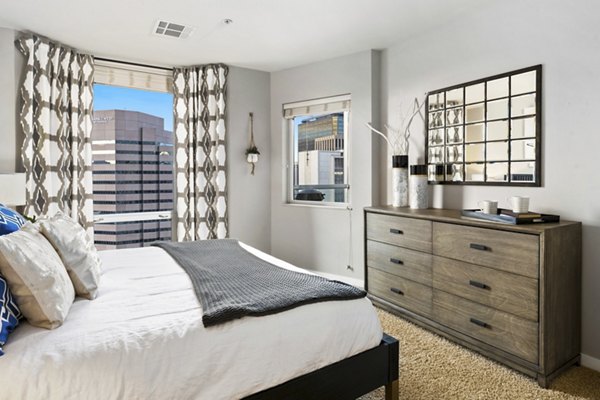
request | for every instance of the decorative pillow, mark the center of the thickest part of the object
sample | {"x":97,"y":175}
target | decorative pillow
{"x":77,"y":251}
{"x":9,"y":313}
{"x":37,"y":278}
{"x":10,"y":220}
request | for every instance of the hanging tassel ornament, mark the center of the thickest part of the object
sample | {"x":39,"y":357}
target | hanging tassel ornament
{"x":252,"y":151}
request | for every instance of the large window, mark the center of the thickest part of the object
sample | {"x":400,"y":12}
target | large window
{"x":132,"y":147}
{"x":318,"y":157}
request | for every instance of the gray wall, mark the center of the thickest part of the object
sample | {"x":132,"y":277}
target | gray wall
{"x":249,"y":195}
{"x":317,"y":237}
{"x":504,"y":37}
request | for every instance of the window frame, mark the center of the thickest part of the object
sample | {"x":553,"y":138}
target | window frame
{"x":140,"y":77}
{"x":289,"y":149}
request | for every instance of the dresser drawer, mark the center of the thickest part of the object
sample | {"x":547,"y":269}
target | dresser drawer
{"x":406,"y":232}
{"x":399,"y":261}
{"x":508,"y":251}
{"x":504,"y":291}
{"x":399,"y":291}
{"x":512,"y":334}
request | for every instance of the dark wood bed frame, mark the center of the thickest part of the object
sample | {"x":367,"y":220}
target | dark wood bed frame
{"x":346,"y":379}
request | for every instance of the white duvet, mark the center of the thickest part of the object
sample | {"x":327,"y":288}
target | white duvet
{"x":143,"y":338}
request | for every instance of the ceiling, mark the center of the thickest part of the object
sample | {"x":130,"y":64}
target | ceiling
{"x":267,"y":35}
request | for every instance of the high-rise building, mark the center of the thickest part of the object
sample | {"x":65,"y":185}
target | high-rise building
{"x":319,"y":129}
{"x":321,"y":155}
{"x":133,"y":172}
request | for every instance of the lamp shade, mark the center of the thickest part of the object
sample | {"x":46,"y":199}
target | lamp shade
{"x":12,"y":189}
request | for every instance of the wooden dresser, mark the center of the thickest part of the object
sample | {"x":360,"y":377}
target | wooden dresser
{"x":510,"y":292}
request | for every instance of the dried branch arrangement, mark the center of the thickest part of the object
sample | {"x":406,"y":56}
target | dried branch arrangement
{"x":398,"y":138}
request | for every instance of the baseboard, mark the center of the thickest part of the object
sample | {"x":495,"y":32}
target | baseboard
{"x":590,"y":362}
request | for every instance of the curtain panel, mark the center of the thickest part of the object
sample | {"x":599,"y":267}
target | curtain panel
{"x":200,"y":154}
{"x":56,"y":117}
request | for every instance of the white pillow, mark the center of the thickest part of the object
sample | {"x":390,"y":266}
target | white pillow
{"x":36,"y":276}
{"x":77,"y":251}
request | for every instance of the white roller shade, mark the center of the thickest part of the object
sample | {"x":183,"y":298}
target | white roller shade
{"x":318,"y":106}
{"x":133,"y":76}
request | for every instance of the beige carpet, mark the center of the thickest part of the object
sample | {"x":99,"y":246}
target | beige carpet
{"x":432,"y":367}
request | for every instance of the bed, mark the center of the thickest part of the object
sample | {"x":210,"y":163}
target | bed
{"x":143,"y":338}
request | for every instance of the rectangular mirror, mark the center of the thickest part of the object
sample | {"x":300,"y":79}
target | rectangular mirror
{"x":496,"y":172}
{"x":523,"y":172}
{"x":454,"y":116}
{"x":497,"y":109}
{"x":497,"y":130}
{"x":436,"y":137}
{"x":454,"y":135}
{"x":486,"y":132}
{"x":475,"y":93}
{"x":454,"y":98}
{"x":475,"y":133}
{"x":497,"y":88}
{"x":475,"y":113}
{"x":475,"y":152}
{"x":522,"y":150}
{"x":496,"y":151}
{"x":474,"y":173}
{"x":523,"y":127}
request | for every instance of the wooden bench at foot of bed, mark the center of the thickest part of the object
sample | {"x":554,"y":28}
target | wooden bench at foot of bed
{"x":346,"y":379}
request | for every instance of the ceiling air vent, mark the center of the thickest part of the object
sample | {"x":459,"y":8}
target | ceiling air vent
{"x":169,"y":29}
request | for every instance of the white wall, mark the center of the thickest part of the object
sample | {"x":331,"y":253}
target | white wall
{"x":311,"y":236}
{"x":249,"y":195}
{"x":564,"y":37}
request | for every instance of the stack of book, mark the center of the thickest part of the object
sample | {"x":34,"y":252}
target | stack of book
{"x":507,"y":216}
{"x":526,"y":215}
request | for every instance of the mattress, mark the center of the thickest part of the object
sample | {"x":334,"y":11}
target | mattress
{"x":143,"y":338}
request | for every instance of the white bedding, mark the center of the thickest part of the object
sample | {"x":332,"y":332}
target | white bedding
{"x":143,"y":338}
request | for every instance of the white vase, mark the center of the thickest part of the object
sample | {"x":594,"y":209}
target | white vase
{"x":400,"y":181}
{"x":438,"y":196}
{"x":436,"y":174}
{"x":418,"y":187}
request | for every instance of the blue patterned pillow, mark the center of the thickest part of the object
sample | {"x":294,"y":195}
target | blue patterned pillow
{"x":10,"y":220}
{"x":9,"y":313}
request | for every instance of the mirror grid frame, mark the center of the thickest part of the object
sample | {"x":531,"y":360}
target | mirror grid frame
{"x":443,"y":171}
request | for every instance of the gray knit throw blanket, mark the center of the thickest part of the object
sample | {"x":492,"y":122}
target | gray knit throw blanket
{"x":232,"y":283}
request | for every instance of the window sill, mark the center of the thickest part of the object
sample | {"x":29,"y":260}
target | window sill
{"x":326,"y":206}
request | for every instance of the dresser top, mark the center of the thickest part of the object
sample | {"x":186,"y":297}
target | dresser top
{"x":455,"y":217}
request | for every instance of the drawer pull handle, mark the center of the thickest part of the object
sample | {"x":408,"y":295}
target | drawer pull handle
{"x":480,"y":323}
{"x":396,"y":261}
{"x":396,"y":231}
{"x":397,"y":291}
{"x":479,"y":247}
{"x":479,"y":285}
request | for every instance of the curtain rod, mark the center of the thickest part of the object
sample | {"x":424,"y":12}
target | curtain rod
{"x":132,"y":63}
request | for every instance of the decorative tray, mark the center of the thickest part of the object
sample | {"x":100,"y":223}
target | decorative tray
{"x":510,"y":219}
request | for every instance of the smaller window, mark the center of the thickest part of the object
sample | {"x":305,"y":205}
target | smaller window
{"x":317,"y":156}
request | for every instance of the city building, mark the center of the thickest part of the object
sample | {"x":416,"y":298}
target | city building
{"x":323,"y":129}
{"x":321,"y":156}
{"x":132,"y":170}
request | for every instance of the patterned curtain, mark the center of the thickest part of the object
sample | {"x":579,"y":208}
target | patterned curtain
{"x":200,"y":182}
{"x":56,"y":117}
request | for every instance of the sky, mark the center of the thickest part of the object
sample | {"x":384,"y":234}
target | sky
{"x":119,"y":98}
